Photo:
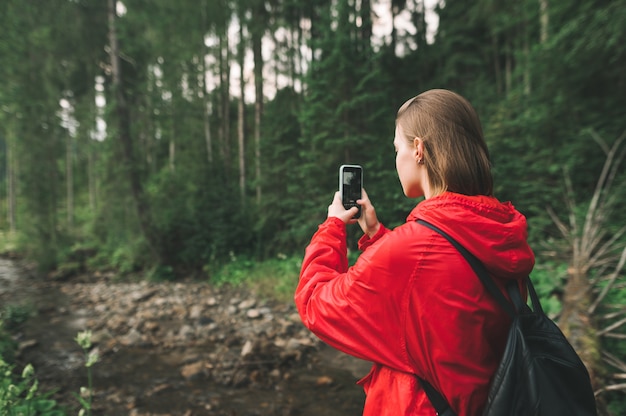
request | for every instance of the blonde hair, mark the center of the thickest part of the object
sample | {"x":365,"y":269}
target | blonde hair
{"x":455,"y":153}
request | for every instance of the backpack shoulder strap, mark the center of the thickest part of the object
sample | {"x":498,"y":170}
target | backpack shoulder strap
{"x":436,"y":399}
{"x":479,"y":269}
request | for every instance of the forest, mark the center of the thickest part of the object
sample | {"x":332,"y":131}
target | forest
{"x":184,"y":138}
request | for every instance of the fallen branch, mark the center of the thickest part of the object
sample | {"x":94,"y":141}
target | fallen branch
{"x":613,"y":361}
{"x":614,"y":336}
{"x":612,"y":327}
{"x":611,"y":282}
{"x":612,"y":387}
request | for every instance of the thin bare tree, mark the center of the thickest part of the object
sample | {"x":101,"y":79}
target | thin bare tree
{"x":597,"y":255}
{"x":259,"y":17}
{"x":11,"y":174}
{"x":241,"y":106}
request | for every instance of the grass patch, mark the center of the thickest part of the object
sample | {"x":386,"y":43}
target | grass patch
{"x":275,"y":278}
{"x":8,"y":243}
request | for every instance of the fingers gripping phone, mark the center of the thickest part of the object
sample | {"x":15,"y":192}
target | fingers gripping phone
{"x":350,"y":186}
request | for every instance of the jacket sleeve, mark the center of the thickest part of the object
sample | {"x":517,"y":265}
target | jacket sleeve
{"x":366,"y":241}
{"x":357,"y":310}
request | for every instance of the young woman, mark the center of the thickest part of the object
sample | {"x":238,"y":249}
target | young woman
{"x":412,"y":304}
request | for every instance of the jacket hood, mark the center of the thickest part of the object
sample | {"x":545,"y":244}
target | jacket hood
{"x":495,"y":232}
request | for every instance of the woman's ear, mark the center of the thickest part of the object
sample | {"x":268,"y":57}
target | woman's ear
{"x":418,"y":150}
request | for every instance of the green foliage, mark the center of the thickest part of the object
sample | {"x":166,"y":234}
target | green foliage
{"x":160,"y":273}
{"x":124,"y":256}
{"x":278,"y":227}
{"x":8,"y":243}
{"x":7,"y":343}
{"x":274,"y":278}
{"x":19,"y":392}
{"x":11,"y":319}
{"x":14,"y":316}
{"x":20,"y":396}
{"x":194,"y":219}
{"x":547,"y":278}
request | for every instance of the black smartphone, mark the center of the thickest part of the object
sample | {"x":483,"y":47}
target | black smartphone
{"x":351,"y":186}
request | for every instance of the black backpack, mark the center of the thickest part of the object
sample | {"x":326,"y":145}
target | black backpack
{"x":540,"y":373}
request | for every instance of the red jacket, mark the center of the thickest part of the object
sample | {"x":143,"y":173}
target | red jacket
{"x":412,"y":305}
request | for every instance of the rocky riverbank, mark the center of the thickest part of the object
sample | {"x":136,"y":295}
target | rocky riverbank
{"x":185,"y":348}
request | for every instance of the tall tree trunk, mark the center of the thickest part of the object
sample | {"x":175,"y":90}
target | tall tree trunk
{"x":91,"y":174}
{"x":224,"y":56}
{"x":206,"y":111}
{"x":394,"y":32}
{"x":275,"y":61}
{"x":581,"y":330}
{"x":419,"y":21}
{"x":508,"y":66}
{"x":292,"y":56}
{"x":11,"y":185}
{"x":207,"y":126}
{"x":300,"y":57}
{"x":122,"y":113}
{"x":69,"y":178}
{"x":526,"y":51}
{"x":148,"y":137}
{"x":576,"y":322}
{"x":172,"y":142}
{"x":544,"y":20}
{"x":258,"y":19}
{"x":241,"y":119}
{"x":496,"y":63}
{"x":172,"y":154}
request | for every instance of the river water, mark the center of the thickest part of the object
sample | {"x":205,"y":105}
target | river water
{"x":145,"y":379}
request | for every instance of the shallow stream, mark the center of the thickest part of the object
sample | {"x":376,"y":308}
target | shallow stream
{"x":146,"y":379}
